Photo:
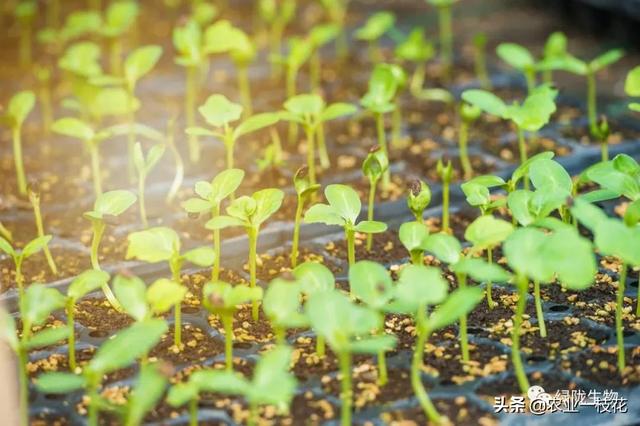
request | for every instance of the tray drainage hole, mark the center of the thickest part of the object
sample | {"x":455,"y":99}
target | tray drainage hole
{"x":98,"y":333}
{"x":446,"y":382}
{"x":241,"y":345}
{"x":559,"y":308}
{"x":190,"y":310}
{"x":537,"y":358}
{"x":474,"y":330}
{"x":628,"y":333}
{"x":634,"y":283}
{"x":53,"y":396}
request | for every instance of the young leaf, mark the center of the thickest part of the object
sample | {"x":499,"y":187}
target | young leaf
{"x":487,"y":232}
{"x":418,"y":286}
{"x":255,"y":123}
{"x":200,"y":256}
{"x":486,"y":101}
{"x":113,"y":203}
{"x":413,"y":235}
{"x":86,"y":282}
{"x":371,"y":283}
{"x":268,"y":201}
{"x":314,"y":277}
{"x":59,"y":383}
{"x":606,"y":59}
{"x":47,"y":337}
{"x":371,"y":227}
{"x":282,"y":305}
{"x":224,"y":184}
{"x":153,"y":244}
{"x":73,"y":127}
{"x":219,"y":111}
{"x":35,"y":245}
{"x":459,"y":303}
{"x":344,"y":200}
{"x":131,"y":292}
{"x":515,"y":55}
{"x":445,"y":247}
{"x":164,"y":294}
{"x":20,"y":105}
{"x":481,"y":271}
{"x":149,"y":388}
{"x":140,"y":62}
{"x":39,"y":302}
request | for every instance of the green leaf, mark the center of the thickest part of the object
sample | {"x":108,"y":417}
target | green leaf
{"x":371,"y":283}
{"x":131,"y":292}
{"x":606,"y":59}
{"x":632,"y":83}
{"x":632,"y":214}
{"x":74,"y":128}
{"x":577,"y":271}
{"x":128,"y":345}
{"x":487,"y":232}
{"x":613,"y":238}
{"x":219,"y":37}
{"x":272,"y":382}
{"x":282,"y":304}
{"x":39,"y":302}
{"x":20,"y":105}
{"x":588,"y":214}
{"x":523,"y":168}
{"x":268,"y":201}
{"x":418,"y":286}
{"x":305,"y":105}
{"x":481,"y":271}
{"x":196,"y":205}
{"x":35,"y":245}
{"x":374,"y":344}
{"x":371,"y":227}
{"x":415,"y":47}
{"x":219,"y":111}
{"x":148,"y":390}
{"x":200,"y":256}
{"x":323,"y":213}
{"x":86,"y":282}
{"x":376,"y":26}
{"x":140,"y":62}
{"x":486,"y":101}
{"x":227,"y":382}
{"x":222,"y":222}
{"x":153,"y":244}
{"x":113,"y":101}
{"x":59,"y":383}
{"x":523,"y":250}
{"x":515,"y":55}
{"x":255,"y":123}
{"x":46,"y":337}
{"x":445,"y":247}
{"x":459,"y":303}
{"x":519,"y":202}
{"x":119,"y":18}
{"x":164,"y":294}
{"x":344,"y":200}
{"x":220,"y":296}
{"x":199,"y":131}
{"x":182,"y":393}
{"x":6,"y":247}
{"x":609,"y":177}
{"x":114,"y":203}
{"x":314,"y":277}
{"x":337,"y":110}
{"x":224,"y":184}
{"x":8,"y":332}
{"x":550,"y":175}
{"x":413,"y":235}
{"x":536,"y":110}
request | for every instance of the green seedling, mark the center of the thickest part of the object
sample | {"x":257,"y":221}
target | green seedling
{"x":314,"y":278}
{"x":343,"y":210}
{"x":418,"y":288}
{"x":445,"y":26}
{"x":161,"y":244}
{"x":276,"y":15}
{"x":106,"y":207}
{"x":5,"y":233}
{"x":282,"y":305}
{"x":337,"y":13}
{"x":468,"y":114}
{"x":222,"y":299}
{"x":250,"y":213}
{"x":445,"y":172}
{"x":311,"y":112}
{"x":632,"y":87}
{"x":149,"y":387}
{"x":305,"y":192}
{"x":222,"y":37}
{"x":346,"y":328}
{"x":534,"y":254}
{"x":43,"y":76}
{"x":379,"y":100}
{"x":85,"y":283}
{"x":78,"y":24}
{"x":272,"y":384}
{"x":614,"y":238}
{"x":35,"y":307}
{"x":204,"y":12}
{"x":554,"y":50}
{"x":480,"y":60}
{"x":18,"y":256}
{"x":219,"y":113}
{"x":418,"y":199}
{"x":178,"y":178}
{"x":373,"y":30}
{"x":589,"y":70}
{"x":371,"y":283}
{"x":601,"y":132}
{"x":413,"y":236}
{"x":188,"y":41}
{"x":534,"y":113}
{"x":81,"y":64}
{"x":417,"y":50}
{"x":299,"y":52}
{"x":401,"y":80}
{"x":25,"y":13}
{"x":114,"y":354}
{"x":34,"y":199}
{"x":19,"y":107}
{"x":373,"y":167}
{"x":448,"y":250}
{"x":144,"y":164}
{"x":209,"y":199}
{"x":319,"y":36}
{"x":119,"y":18}
{"x":272,"y":158}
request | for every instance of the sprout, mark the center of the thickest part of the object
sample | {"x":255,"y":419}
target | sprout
{"x":416,"y":49}
{"x":468,"y":114}
{"x":319,"y":36}
{"x":203,"y":12}
{"x":18,"y":256}
{"x":418,"y":288}
{"x":379,"y":100}
{"x":114,"y":354}
{"x":250,"y":213}
{"x":141,"y":302}
{"x":305,"y":191}
{"x":147,"y":391}
{"x":272,"y":384}
{"x":276,"y":14}
{"x":418,"y":198}
{"x":119,"y":18}
{"x":210,"y":197}
{"x":311,"y":112}
{"x":480,"y":60}
{"x":447,"y":249}
{"x":533,"y":254}
{"x":19,"y":107}
{"x":445,"y":171}
{"x":282,"y":305}
{"x":343,"y":210}
{"x":163,"y":244}
{"x":373,"y":167}
{"x":43,"y":75}
{"x":83,"y":284}
{"x":5,"y":233}
{"x":446,"y":32}
{"x":346,"y":328}
{"x":632,"y":87}
{"x":531,"y":116}
{"x":371,"y":283}
{"x":337,"y":12}
{"x":554,"y":50}
{"x":376,"y":26}
{"x":219,"y":113}
{"x":413,"y":236}
{"x":35,"y":307}
{"x":25,"y":13}
{"x":34,"y":198}
{"x":178,"y":178}
{"x":144,"y":165}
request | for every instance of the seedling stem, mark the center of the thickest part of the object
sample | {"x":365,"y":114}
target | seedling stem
{"x":619,"y":328}
{"x":346,"y":393}
{"x":17,"y":156}
{"x":516,"y":357}
{"x":382,"y":142}
{"x":175,"y":264}
{"x":446,"y":38}
{"x":227,"y":322}
{"x":35,"y":202}
{"x":215,"y":274}
{"x":464,"y":340}
{"x":417,"y":364}
{"x":351,"y":246}
{"x":539,"y":313}
{"x":253,"y":254}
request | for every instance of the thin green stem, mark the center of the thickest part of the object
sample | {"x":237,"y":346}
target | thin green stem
{"x":296,"y":233}
{"x":95,"y":168}
{"x":46,"y":106}
{"x":417,"y":79}
{"x":320,"y":347}
{"x":417,"y":257}
{"x":464,"y":339}
{"x":351,"y":246}
{"x":480,"y":66}
{"x":445,"y":206}
{"x":396,"y":126}
{"x":490,"y":301}
{"x":530,"y":77}
{"x":244,"y":86}
{"x":522,"y":147}
{"x":591,"y":100}
{"x":516,"y":356}
{"x":175,"y":265}
{"x":253,"y":254}
{"x":604,"y":150}
{"x":70,"y":311}
{"x":115,"y":55}
{"x":217,"y":247}
{"x":382,"y":142}
{"x":383,"y":376}
{"x":143,"y":209}
{"x":539,"y":313}
{"x":35,"y":202}
{"x":416,"y":368}
{"x":131,"y":137}
{"x":179,"y":176}
{"x":463,"y":141}
{"x":325,"y":162}
{"x":98,"y":228}
{"x":446,"y":39}
{"x":371,"y":204}
{"x":346,"y":392}
{"x":193,"y":412}
{"x":311,"y":158}
{"x":227,"y":322}
{"x":92,"y":392}
{"x":18,"y":161}
{"x":20,"y":278}
{"x":619,"y":328}
{"x":24,"y":386}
